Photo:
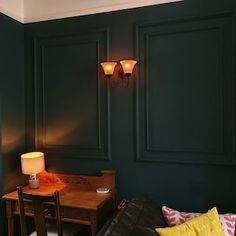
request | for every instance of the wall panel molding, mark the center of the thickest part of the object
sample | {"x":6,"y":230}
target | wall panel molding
{"x":72,"y":108}
{"x":185,"y":107}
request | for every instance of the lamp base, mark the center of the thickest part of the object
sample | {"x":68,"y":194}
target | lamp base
{"x":33,"y":181}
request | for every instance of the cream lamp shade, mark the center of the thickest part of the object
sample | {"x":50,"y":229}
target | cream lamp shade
{"x":32,"y":163}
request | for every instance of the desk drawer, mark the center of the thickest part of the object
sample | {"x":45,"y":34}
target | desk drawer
{"x":69,"y":214}
{"x":75,"y":215}
{"x":49,"y":210}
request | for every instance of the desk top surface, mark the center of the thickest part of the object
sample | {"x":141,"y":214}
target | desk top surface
{"x":71,"y":195}
{"x":75,"y":191}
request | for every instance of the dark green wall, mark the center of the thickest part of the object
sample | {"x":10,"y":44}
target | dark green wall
{"x":171,"y":133}
{"x":12,"y":112}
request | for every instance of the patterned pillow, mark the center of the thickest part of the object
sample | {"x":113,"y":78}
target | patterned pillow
{"x":205,"y":225}
{"x":174,"y":217}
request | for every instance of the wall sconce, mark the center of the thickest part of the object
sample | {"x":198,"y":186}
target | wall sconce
{"x":32,"y":163}
{"x":124,"y":74}
{"x":108,"y":68}
{"x":128,"y":66}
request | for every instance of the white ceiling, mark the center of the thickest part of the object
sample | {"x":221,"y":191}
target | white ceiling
{"x":27,"y":11}
{"x":13,"y":8}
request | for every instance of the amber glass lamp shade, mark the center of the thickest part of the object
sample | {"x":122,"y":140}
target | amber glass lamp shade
{"x":32,"y":163}
{"x":108,"y":68}
{"x":128,"y":66}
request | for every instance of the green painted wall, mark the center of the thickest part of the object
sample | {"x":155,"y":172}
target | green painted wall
{"x":12,"y":112}
{"x":171,"y":133}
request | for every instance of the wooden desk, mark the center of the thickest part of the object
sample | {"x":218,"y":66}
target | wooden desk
{"x":80,"y":203}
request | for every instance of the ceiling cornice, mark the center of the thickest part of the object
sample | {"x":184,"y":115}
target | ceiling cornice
{"x":28,"y":11}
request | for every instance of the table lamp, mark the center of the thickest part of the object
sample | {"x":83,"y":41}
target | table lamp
{"x":32,"y":163}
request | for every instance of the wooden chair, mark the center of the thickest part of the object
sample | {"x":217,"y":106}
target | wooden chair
{"x":38,"y":202}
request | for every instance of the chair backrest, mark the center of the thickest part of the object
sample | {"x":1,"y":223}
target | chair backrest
{"x":38,"y":202}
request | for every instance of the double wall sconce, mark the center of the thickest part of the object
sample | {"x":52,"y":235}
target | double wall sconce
{"x":124,"y":74}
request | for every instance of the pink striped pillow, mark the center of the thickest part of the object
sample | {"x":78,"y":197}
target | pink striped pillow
{"x":174,"y":217}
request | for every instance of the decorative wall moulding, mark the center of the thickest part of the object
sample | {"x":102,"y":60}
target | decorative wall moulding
{"x":83,"y":131}
{"x":28,"y":11}
{"x":173,"y":127}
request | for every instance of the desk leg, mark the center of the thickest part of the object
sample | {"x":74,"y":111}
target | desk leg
{"x":10,"y":218}
{"x":93,"y":219}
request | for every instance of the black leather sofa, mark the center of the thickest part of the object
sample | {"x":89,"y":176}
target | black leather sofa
{"x":139,"y":217}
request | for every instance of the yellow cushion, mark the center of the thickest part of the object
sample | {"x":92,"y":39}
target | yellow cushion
{"x":205,"y":225}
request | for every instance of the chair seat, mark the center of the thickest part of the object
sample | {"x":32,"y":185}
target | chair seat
{"x":68,"y":229}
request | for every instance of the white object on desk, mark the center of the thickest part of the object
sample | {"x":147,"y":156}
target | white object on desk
{"x":103,"y":190}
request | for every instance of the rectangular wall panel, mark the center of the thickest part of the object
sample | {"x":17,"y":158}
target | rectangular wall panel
{"x":72,"y":107}
{"x":184,"y":113}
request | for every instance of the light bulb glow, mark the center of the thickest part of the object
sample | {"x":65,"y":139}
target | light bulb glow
{"x":108,"y":67}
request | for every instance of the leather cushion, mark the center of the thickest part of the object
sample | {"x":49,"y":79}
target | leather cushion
{"x":140,"y":217}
